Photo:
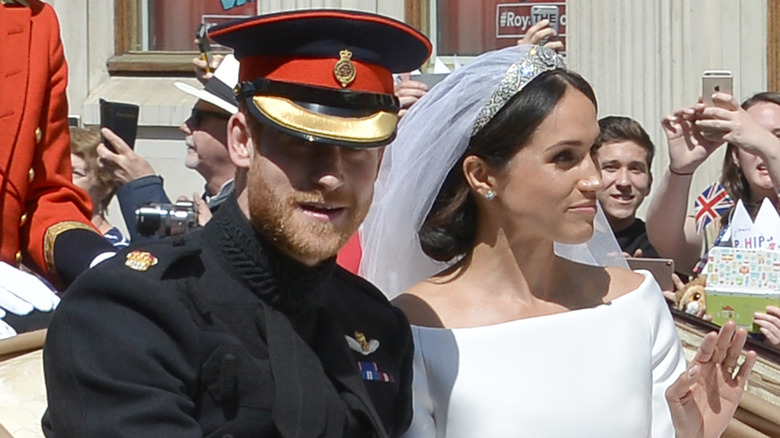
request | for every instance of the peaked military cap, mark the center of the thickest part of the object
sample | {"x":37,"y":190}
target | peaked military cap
{"x":324,"y":75}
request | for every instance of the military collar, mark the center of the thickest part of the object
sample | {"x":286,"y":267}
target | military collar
{"x":276,"y":278}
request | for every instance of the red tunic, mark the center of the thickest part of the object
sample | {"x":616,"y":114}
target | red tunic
{"x":38,"y":200}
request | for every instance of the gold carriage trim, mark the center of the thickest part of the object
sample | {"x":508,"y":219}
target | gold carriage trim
{"x":370,"y":129}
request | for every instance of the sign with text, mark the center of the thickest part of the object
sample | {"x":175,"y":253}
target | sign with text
{"x":514,"y":19}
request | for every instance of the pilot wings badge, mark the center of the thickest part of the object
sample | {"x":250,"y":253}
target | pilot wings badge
{"x":362,"y":345}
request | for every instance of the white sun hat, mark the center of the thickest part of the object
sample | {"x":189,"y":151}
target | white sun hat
{"x":219,"y":89}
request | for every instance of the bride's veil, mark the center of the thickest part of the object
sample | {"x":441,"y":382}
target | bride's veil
{"x":432,"y":136}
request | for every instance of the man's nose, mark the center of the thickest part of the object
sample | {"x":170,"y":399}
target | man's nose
{"x":329,"y":167}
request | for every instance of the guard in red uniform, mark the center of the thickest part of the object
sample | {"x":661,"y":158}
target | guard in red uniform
{"x":44,"y":218}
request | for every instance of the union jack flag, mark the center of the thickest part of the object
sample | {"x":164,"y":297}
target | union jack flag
{"x":713,"y":203}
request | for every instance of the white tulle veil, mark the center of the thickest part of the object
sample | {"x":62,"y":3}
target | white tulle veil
{"x":432,"y":136}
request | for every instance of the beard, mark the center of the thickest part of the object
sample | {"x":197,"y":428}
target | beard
{"x":280,"y":220}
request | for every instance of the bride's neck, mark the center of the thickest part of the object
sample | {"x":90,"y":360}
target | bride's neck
{"x":522,"y":268}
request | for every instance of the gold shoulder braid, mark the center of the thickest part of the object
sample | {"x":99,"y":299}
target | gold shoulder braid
{"x":51,"y":235}
{"x":15,"y":3}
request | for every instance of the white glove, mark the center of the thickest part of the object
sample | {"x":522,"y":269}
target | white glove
{"x":21,"y":292}
{"x":6,"y":331}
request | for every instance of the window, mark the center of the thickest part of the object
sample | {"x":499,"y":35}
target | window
{"x":158,"y":36}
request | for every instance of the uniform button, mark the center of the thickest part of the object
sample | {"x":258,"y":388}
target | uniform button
{"x":18,"y":257}
{"x":31,"y":174}
{"x":38,"y":134}
{"x":23,"y":219}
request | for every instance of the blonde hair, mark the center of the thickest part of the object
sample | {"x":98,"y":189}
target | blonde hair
{"x":84,"y":143}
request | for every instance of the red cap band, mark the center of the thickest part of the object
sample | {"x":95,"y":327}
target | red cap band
{"x":316,"y":71}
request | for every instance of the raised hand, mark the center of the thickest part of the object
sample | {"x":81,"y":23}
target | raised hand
{"x":409,"y":91}
{"x":688,"y":146}
{"x":730,"y":123}
{"x":124,"y":165}
{"x":704,"y":398}
{"x":542,"y":33}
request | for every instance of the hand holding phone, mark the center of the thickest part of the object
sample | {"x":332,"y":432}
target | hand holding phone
{"x":202,"y":38}
{"x":551,"y":13}
{"x":715,"y":81}
{"x":122,"y":119}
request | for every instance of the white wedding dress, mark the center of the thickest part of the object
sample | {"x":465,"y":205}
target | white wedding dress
{"x":598,"y":372}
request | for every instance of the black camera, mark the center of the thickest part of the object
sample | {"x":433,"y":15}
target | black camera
{"x":166,"y":219}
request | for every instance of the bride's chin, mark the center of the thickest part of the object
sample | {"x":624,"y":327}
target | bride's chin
{"x":576,"y":238}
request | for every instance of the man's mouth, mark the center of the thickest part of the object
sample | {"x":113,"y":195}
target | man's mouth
{"x":623,"y":199}
{"x":322,"y":211}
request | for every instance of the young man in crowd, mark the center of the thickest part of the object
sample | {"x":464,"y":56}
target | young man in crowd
{"x":625,"y":153}
{"x":248,"y":327}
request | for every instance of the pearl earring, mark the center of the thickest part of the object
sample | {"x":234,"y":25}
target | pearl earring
{"x":490,"y":195}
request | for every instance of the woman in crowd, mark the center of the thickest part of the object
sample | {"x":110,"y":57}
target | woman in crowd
{"x":751,"y":173}
{"x":88,"y":176}
{"x":492,"y":167}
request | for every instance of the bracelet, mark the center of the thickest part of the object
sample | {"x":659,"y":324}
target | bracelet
{"x":679,"y":173}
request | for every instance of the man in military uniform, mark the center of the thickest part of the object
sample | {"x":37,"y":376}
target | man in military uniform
{"x":248,"y":327}
{"x":44,"y":218}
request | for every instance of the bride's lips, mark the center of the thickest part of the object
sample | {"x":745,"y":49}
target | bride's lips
{"x":587,"y":207}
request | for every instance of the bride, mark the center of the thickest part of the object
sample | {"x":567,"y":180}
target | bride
{"x":491,"y":184}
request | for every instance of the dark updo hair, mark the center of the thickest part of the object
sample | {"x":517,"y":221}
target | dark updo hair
{"x":449,"y":229}
{"x":732,"y":178}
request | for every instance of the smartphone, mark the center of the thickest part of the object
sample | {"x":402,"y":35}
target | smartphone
{"x":662,"y":269}
{"x":429,"y":79}
{"x":550,"y":12}
{"x":714,"y":81}
{"x":122,"y":119}
{"x":204,"y":45}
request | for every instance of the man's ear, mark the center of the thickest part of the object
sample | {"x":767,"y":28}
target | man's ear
{"x":379,"y":162}
{"x":649,"y":182}
{"x":240,"y":142}
{"x":479,"y":175}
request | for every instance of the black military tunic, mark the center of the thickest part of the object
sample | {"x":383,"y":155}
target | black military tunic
{"x":218,"y":334}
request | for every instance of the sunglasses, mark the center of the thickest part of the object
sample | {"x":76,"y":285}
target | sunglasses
{"x":197,"y":115}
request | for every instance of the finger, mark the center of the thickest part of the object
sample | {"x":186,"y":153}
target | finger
{"x":541,"y":24}
{"x":556,"y":45}
{"x":773,"y":310}
{"x":769,"y":330}
{"x":12,"y":303}
{"x":182,"y":198}
{"x":734,"y":350}
{"x":543,"y":34}
{"x":725,"y":336}
{"x":105,"y":156}
{"x":680,"y":387}
{"x":115,"y":140}
{"x":638,"y":252}
{"x":405,"y":76}
{"x":414,"y":91}
{"x":407,"y":101}
{"x":678,"y":284}
{"x":725,"y":100}
{"x":746,"y":367}
{"x":707,"y":348}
